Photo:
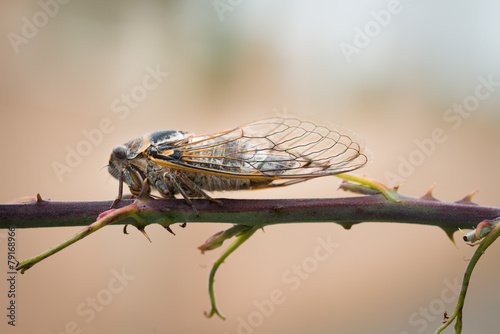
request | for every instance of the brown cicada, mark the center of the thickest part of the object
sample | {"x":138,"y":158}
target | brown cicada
{"x":271,"y":152}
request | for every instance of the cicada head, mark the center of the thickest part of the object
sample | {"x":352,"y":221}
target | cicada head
{"x":127,"y":163}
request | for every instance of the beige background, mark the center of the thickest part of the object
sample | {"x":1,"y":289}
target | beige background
{"x":264,"y":56}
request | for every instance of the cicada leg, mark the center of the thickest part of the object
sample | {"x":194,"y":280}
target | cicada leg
{"x":180,"y":182}
{"x":135,"y":181}
{"x":173,"y":181}
{"x":193,"y":187}
{"x":120,"y":190}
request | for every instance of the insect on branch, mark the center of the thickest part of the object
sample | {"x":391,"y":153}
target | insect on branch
{"x":273,"y":152}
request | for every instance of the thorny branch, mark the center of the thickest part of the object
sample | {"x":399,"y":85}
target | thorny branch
{"x":345,"y":211}
{"x":378,"y":204}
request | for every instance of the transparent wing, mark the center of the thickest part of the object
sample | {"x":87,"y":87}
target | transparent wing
{"x":272,"y":148}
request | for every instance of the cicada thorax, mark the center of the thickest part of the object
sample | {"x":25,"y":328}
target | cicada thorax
{"x":167,"y":137}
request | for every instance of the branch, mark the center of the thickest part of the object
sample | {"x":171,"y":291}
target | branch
{"x":344,"y":211}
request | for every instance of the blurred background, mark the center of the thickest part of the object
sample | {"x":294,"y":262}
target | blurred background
{"x":419,"y":80}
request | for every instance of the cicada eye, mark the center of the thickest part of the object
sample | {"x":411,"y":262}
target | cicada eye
{"x":120,"y":152}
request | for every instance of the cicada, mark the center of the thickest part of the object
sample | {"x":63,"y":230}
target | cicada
{"x":272,"y":152}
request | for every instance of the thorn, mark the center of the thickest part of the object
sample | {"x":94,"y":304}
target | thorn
{"x":449,"y":232}
{"x":429,"y":196}
{"x":468,"y":199}
{"x":183,"y":225}
{"x":396,"y":188}
{"x":39,"y":198}
{"x":144,"y":232}
{"x":167,"y":227}
{"x":125,"y":229}
{"x":347,"y":226}
{"x":144,"y":193}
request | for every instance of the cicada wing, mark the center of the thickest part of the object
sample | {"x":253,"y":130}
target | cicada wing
{"x":273,"y":148}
